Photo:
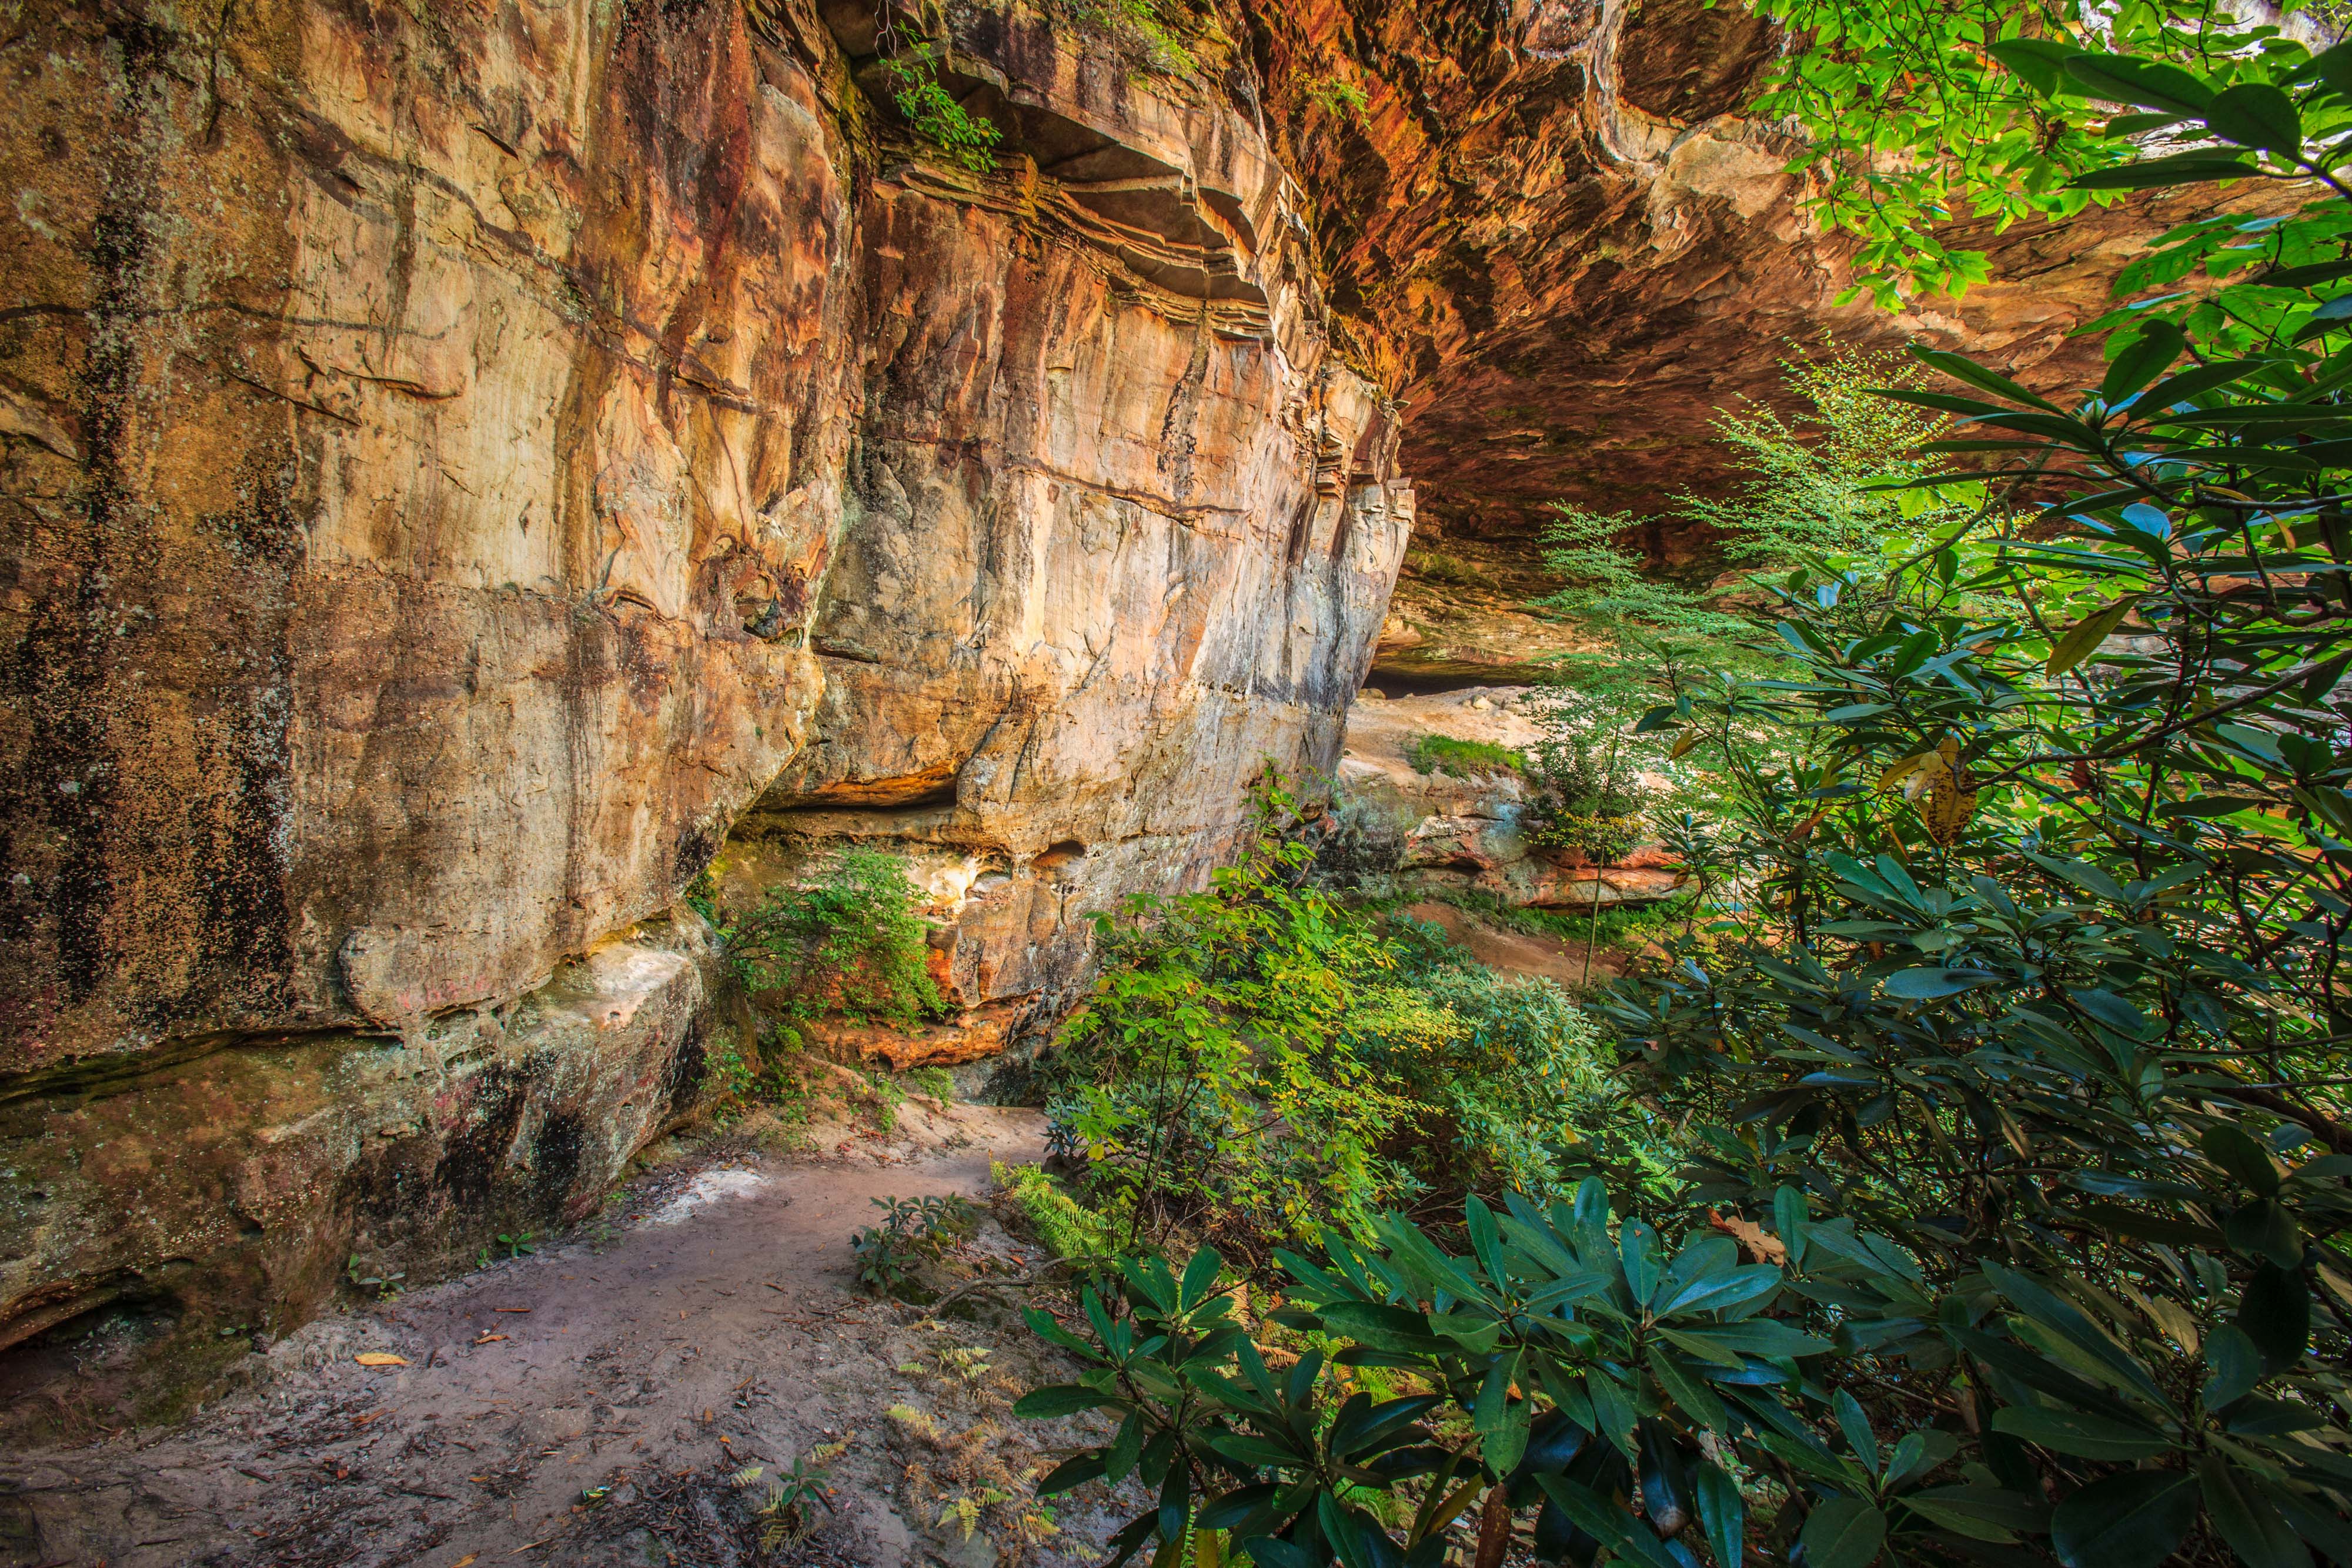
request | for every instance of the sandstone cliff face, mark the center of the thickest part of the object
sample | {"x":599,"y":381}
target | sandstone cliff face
{"x":1552,"y":231}
{"x":471,"y":465}
{"x":462,"y":458}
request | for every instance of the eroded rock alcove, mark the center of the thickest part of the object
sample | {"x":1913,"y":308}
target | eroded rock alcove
{"x":470,"y":467}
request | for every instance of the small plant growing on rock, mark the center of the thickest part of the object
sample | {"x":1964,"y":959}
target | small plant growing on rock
{"x":1583,"y":802}
{"x":1338,"y":98}
{"x":847,"y":940}
{"x":967,"y":141}
{"x":384,"y":1287}
{"x":912,"y":1229}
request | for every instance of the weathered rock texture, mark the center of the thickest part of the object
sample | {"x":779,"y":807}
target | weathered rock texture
{"x":464,"y":460}
{"x":1552,"y":232}
{"x":1398,"y":831}
{"x":461,"y":457}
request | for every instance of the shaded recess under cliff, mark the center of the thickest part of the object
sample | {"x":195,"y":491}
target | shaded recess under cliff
{"x":1553,"y":233}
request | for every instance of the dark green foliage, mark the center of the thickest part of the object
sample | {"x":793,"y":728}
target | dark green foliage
{"x":912,"y":1229}
{"x":845,"y":940}
{"x":2013,"y":1058}
{"x":1560,"y":1357}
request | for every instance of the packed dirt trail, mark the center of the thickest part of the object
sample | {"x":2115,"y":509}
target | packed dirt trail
{"x":594,"y":1403}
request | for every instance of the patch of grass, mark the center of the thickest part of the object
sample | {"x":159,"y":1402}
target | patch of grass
{"x":1462,"y":758}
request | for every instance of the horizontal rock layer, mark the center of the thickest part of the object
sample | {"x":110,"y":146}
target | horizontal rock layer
{"x":461,"y":459}
{"x":1553,"y":231}
{"x":1398,"y":831}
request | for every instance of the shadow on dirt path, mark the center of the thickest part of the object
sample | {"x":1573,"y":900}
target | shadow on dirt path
{"x":715,"y":1327}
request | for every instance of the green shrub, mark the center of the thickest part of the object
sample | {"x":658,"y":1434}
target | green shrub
{"x":1462,"y":758}
{"x":1150,"y":30}
{"x":1338,"y":98}
{"x":912,"y":1231}
{"x":1510,"y":1088}
{"x":1255,"y":1059}
{"x":1581,"y":801}
{"x":1445,"y":570}
{"x":845,"y":940}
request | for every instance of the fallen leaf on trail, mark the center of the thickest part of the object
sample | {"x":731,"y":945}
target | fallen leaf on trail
{"x":462,"y":1561}
{"x":489,"y":1339}
{"x":511,"y":1309}
{"x":378,"y":1358}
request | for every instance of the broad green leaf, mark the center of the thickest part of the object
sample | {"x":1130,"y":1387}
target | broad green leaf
{"x":2242,"y":1156}
{"x":2246,"y":1518}
{"x":2121,"y":78}
{"x":1397,"y":1329}
{"x":2086,"y":634}
{"x":1062,"y":1399}
{"x":2274,"y":1313}
{"x":1200,"y":1278}
{"x":1843,"y":1532}
{"x":2133,"y":1519}
{"x":2145,"y":357}
{"x":2084,"y":1437}
{"x":1960,"y":368}
{"x":1722,"y":1513}
{"x":1691,"y":1392}
{"x":1854,"y":1423}
{"x":1069,"y":1473}
{"x":1126,"y":1448}
{"x":2233,"y":1366}
{"x":2256,"y":114}
{"x":2265,"y":1228}
{"x":2178,"y":169}
{"x":1933,"y":983}
{"x":2041,"y":62}
{"x":1980,"y":1513}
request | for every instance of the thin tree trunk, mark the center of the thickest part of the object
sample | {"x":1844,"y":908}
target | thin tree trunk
{"x":1494,"y":1528}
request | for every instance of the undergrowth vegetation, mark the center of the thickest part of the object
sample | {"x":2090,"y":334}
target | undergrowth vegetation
{"x":1258,"y":1061}
{"x":1984,"y":1157}
{"x":844,"y":938}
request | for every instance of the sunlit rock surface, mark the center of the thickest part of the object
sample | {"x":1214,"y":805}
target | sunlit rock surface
{"x":471,"y":466}
{"x":462,"y":458}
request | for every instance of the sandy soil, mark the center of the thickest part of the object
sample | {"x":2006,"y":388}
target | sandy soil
{"x":1520,"y":952}
{"x":713,"y":1325}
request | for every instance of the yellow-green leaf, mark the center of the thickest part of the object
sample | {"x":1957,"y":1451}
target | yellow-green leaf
{"x":2086,"y":634}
